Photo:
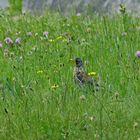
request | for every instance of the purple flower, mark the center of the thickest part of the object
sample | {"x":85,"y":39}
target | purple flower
{"x":18,"y":40}
{"x":137,"y":54}
{"x":45,"y":33}
{"x":8,"y":40}
{"x":29,"y":34}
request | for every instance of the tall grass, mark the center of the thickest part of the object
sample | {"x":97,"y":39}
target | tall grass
{"x":32,"y":107}
{"x":15,"y":6}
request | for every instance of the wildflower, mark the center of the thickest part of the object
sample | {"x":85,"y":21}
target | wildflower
{"x":59,"y":37}
{"x":18,"y":40}
{"x":78,"y":14}
{"x":54,"y":86}
{"x":40,"y":71}
{"x":45,"y":34}
{"x":92,"y":73}
{"x":51,"y":40}
{"x":8,"y":40}
{"x":29,"y":34}
{"x":0,"y":45}
{"x":137,"y":54}
{"x":82,"y":97}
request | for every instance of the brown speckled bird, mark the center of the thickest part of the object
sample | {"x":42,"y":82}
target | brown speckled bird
{"x":82,"y":77}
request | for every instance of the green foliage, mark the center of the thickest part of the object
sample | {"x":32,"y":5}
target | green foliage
{"x":38,"y":97}
{"x":15,"y":6}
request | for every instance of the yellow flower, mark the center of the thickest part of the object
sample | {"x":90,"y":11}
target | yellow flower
{"x":40,"y":71}
{"x":59,"y":37}
{"x":92,"y":73}
{"x":54,"y":86}
{"x":54,"y":40}
{"x":51,"y":40}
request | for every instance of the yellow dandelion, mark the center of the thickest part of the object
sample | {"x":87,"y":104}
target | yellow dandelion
{"x":51,"y":40}
{"x":54,"y":86}
{"x":40,"y":71}
{"x":71,"y":59}
{"x":59,"y":37}
{"x":92,"y":73}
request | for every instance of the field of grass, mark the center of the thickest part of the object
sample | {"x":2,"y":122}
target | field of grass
{"x":38,"y":97}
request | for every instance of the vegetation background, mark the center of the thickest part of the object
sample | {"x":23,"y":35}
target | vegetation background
{"x":66,"y":6}
{"x":38,"y":97}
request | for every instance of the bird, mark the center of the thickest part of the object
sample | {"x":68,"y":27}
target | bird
{"x":81,"y":76}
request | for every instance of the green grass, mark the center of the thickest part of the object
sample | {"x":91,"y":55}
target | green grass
{"x":30,"y":109}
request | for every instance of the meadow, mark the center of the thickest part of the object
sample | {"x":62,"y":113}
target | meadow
{"x":39,"y":99}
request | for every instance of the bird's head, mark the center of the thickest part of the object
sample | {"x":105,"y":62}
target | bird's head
{"x":78,"y":62}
